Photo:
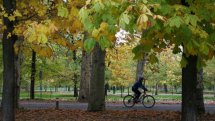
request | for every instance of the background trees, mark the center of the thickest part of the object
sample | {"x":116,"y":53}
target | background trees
{"x":186,"y":26}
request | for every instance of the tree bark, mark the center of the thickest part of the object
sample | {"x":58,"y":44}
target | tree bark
{"x":75,"y":80}
{"x":97,"y":95}
{"x":8,"y":63}
{"x":18,"y":61}
{"x":214,"y":88}
{"x":199,"y":92}
{"x":85,"y":75}
{"x":140,"y":67}
{"x":33,"y":73}
{"x":189,"y":80}
{"x":165,"y":88}
{"x":75,"y":86}
{"x":156,"y":89}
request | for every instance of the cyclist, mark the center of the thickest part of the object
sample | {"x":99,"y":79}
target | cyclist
{"x":138,"y":88}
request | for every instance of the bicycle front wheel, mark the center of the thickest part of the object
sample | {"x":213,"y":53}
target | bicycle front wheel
{"x":128,"y":101}
{"x":148,"y":101}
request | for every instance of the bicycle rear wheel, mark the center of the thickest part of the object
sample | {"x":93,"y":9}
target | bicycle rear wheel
{"x":148,"y":101}
{"x":128,"y":101}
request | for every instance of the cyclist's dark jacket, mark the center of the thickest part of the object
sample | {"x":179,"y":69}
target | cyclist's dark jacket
{"x":137,"y":85}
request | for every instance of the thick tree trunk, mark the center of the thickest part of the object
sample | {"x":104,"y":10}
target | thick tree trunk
{"x":33,"y":73}
{"x":199,"y":92}
{"x":85,"y":75}
{"x":189,"y":80}
{"x":18,"y":61}
{"x":97,"y":95}
{"x":9,"y":64}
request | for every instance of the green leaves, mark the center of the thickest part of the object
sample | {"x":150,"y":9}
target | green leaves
{"x":89,"y":44}
{"x":192,"y":19}
{"x":153,"y":58}
{"x":138,"y":51}
{"x":203,"y":48}
{"x":175,"y":21}
{"x":42,"y":38}
{"x":183,"y":62}
{"x":84,"y":16}
{"x":62,"y":11}
{"x":124,"y":19}
{"x":104,"y":42}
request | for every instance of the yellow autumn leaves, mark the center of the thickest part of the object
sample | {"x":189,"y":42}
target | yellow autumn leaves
{"x":38,"y":32}
{"x":102,"y":31}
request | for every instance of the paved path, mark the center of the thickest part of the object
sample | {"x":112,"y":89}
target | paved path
{"x":109,"y":106}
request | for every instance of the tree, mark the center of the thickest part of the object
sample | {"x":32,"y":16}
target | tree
{"x":18,"y":62}
{"x":33,"y":22}
{"x":85,"y":75}
{"x":9,"y":40}
{"x":33,"y":73}
{"x":164,"y":23}
{"x":96,"y":102}
{"x":119,"y":61}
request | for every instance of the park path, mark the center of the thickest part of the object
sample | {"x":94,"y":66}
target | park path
{"x":210,"y":108}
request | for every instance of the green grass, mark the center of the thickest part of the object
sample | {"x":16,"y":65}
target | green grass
{"x":49,"y":95}
{"x":110,"y":97}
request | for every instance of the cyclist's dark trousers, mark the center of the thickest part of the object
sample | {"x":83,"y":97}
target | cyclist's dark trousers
{"x":137,"y":93}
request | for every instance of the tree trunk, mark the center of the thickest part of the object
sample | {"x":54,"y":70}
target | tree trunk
{"x":33,"y":73}
{"x":8,"y":63}
{"x":18,"y":61}
{"x":214,"y":88}
{"x":121,"y":90}
{"x":156,"y":89}
{"x":165,"y":88}
{"x":199,"y":92}
{"x":85,"y":75}
{"x":75,"y":75}
{"x":189,"y":80}
{"x":175,"y":87}
{"x":106,"y":89}
{"x":114,"y":89}
{"x":140,"y":67}
{"x":75,"y":86}
{"x":97,"y":95}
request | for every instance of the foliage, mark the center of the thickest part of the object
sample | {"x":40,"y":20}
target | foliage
{"x":62,"y":114}
{"x":119,"y":62}
{"x":57,"y":71}
{"x":209,"y":79}
{"x":111,"y":115}
{"x":166,"y":71}
{"x":44,"y":23}
{"x":161,"y":23}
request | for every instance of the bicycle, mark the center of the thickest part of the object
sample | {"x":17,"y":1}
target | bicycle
{"x":148,"y":101}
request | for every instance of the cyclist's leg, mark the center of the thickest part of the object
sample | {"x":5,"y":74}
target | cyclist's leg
{"x":137,"y":95}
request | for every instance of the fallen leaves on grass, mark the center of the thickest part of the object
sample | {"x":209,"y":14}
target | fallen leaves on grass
{"x":109,"y":115}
